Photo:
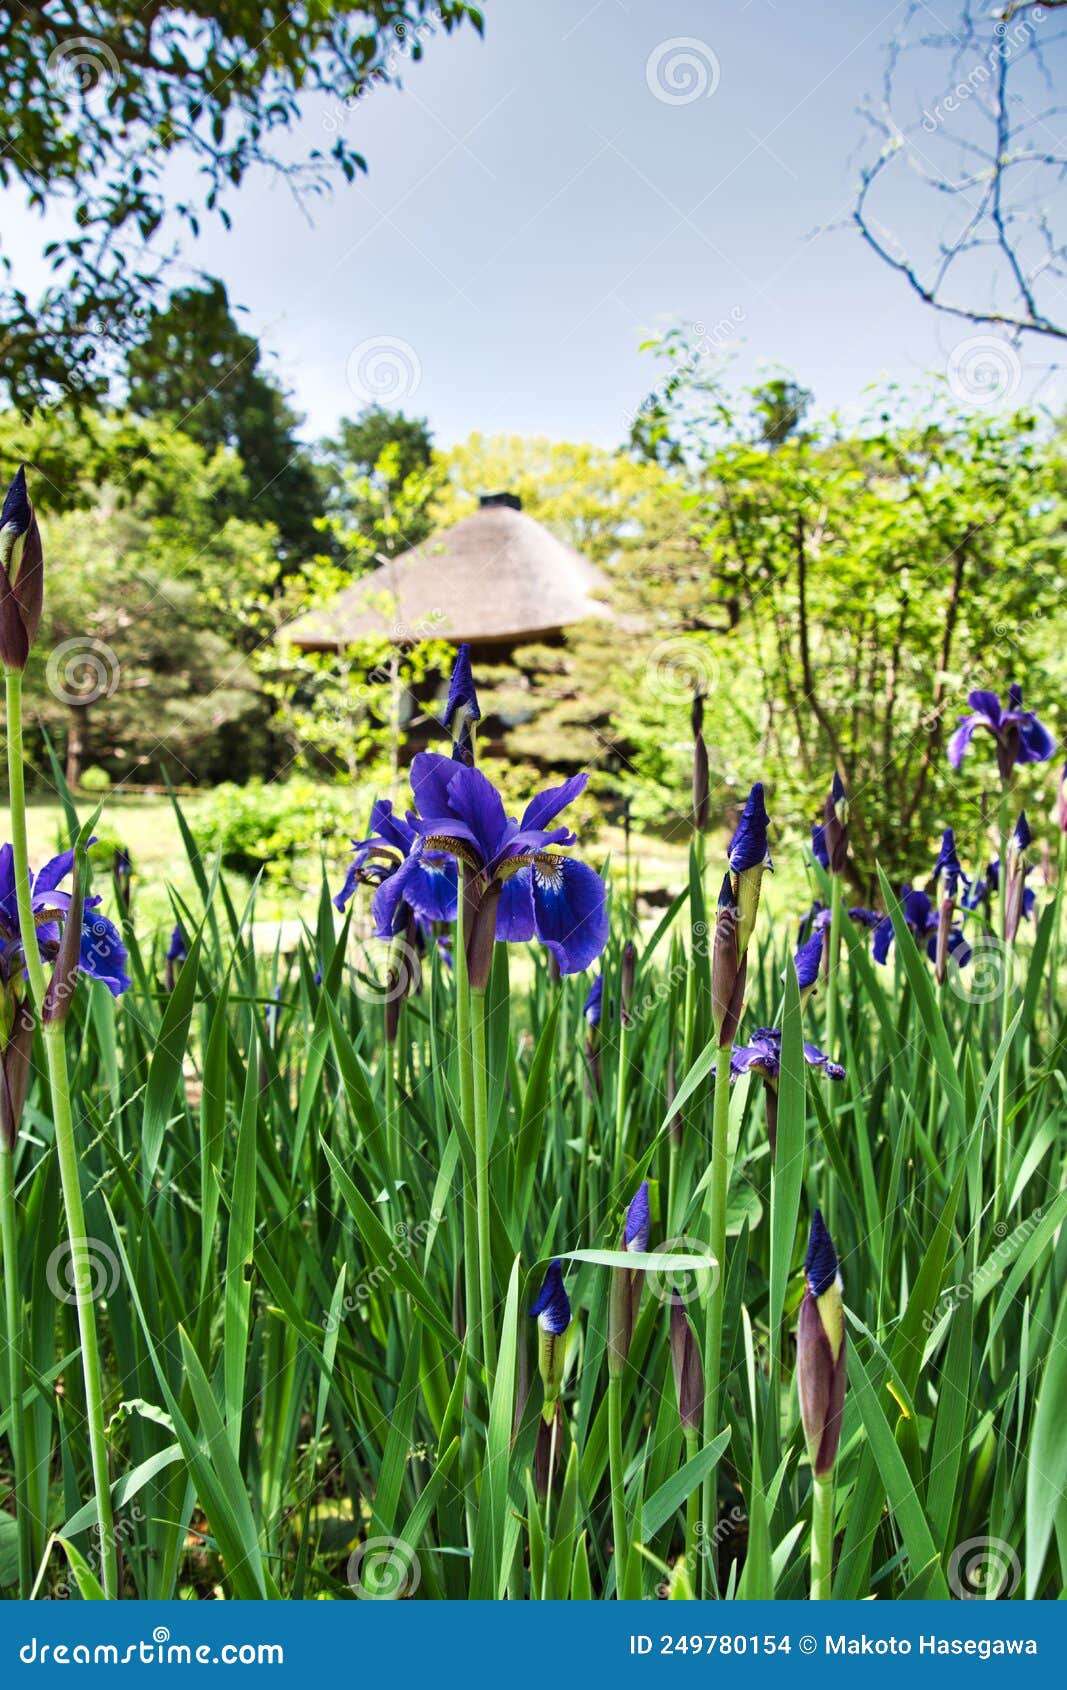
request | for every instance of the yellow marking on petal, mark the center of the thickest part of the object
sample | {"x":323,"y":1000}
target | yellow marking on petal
{"x":454,"y":847}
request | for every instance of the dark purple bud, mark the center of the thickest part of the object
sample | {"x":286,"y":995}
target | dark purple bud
{"x":1061,"y":802}
{"x":21,"y":575}
{"x":821,"y":1351}
{"x":685,"y":1365}
{"x":748,"y":848}
{"x":15,"y":1062}
{"x":725,"y":964}
{"x":60,"y":990}
{"x":482,"y":930}
{"x":835,"y":825}
{"x":462,"y":709}
{"x":701,"y":788}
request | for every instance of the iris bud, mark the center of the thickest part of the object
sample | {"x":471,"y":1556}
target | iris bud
{"x":835,"y":825}
{"x":16,"y":1043}
{"x":462,"y":709}
{"x":552,"y":1310}
{"x":727,"y":971}
{"x":821,"y":1347}
{"x":749,"y":857}
{"x":624,"y":1299}
{"x":686,"y":1367}
{"x":21,"y":575}
{"x":1015,"y":877}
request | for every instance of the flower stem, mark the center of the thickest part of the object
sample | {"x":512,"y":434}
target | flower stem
{"x":66,"y":1149}
{"x":1057,"y":931}
{"x":15,"y":1368}
{"x":833,"y":970}
{"x":618,"y":1496}
{"x":466,"y":1104}
{"x":620,"y":1111}
{"x":822,"y":1538}
{"x":716,"y":1212}
{"x":548,"y":1503}
{"x":1006,"y":960}
{"x":481,"y":1164}
{"x":692,"y":1514}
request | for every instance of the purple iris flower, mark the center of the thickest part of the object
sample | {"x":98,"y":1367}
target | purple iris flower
{"x":540,"y":892}
{"x":638,"y":1220}
{"x":763,"y":1055}
{"x":103,"y":955}
{"x":552,"y":1306}
{"x":863,"y":917}
{"x":407,"y":878}
{"x":178,"y":950}
{"x":818,"y":845}
{"x":594,"y":1003}
{"x":1019,"y":736}
{"x":922,"y":922}
{"x":920,"y":916}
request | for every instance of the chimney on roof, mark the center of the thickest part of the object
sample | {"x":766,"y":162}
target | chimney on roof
{"x":511,"y":500}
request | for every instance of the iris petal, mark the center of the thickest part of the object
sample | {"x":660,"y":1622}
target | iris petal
{"x":1036,"y":744}
{"x":515,"y":911}
{"x":570,"y":912}
{"x":541,"y":810}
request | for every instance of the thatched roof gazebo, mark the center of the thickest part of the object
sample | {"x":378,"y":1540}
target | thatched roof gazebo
{"x":496,"y":579}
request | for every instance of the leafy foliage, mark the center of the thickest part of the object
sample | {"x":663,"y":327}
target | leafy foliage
{"x":104,"y":98}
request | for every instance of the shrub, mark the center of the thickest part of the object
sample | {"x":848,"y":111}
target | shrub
{"x":269,"y":825}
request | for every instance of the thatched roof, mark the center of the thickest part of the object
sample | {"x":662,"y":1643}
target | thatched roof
{"x":496,"y":577}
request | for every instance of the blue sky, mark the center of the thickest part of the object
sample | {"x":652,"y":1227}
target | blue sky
{"x":533,"y":211}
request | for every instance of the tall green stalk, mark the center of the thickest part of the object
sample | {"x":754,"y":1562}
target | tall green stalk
{"x":466,"y":1104}
{"x":1006,"y":960}
{"x":822,"y":1538}
{"x":66,"y":1148}
{"x":481,"y":1166}
{"x":615,"y":1472}
{"x":716,"y":1212}
{"x":16,"y":1373}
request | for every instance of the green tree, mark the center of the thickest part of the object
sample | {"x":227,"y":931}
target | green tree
{"x":150,"y":601}
{"x":103,"y":97}
{"x":196,"y":368}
